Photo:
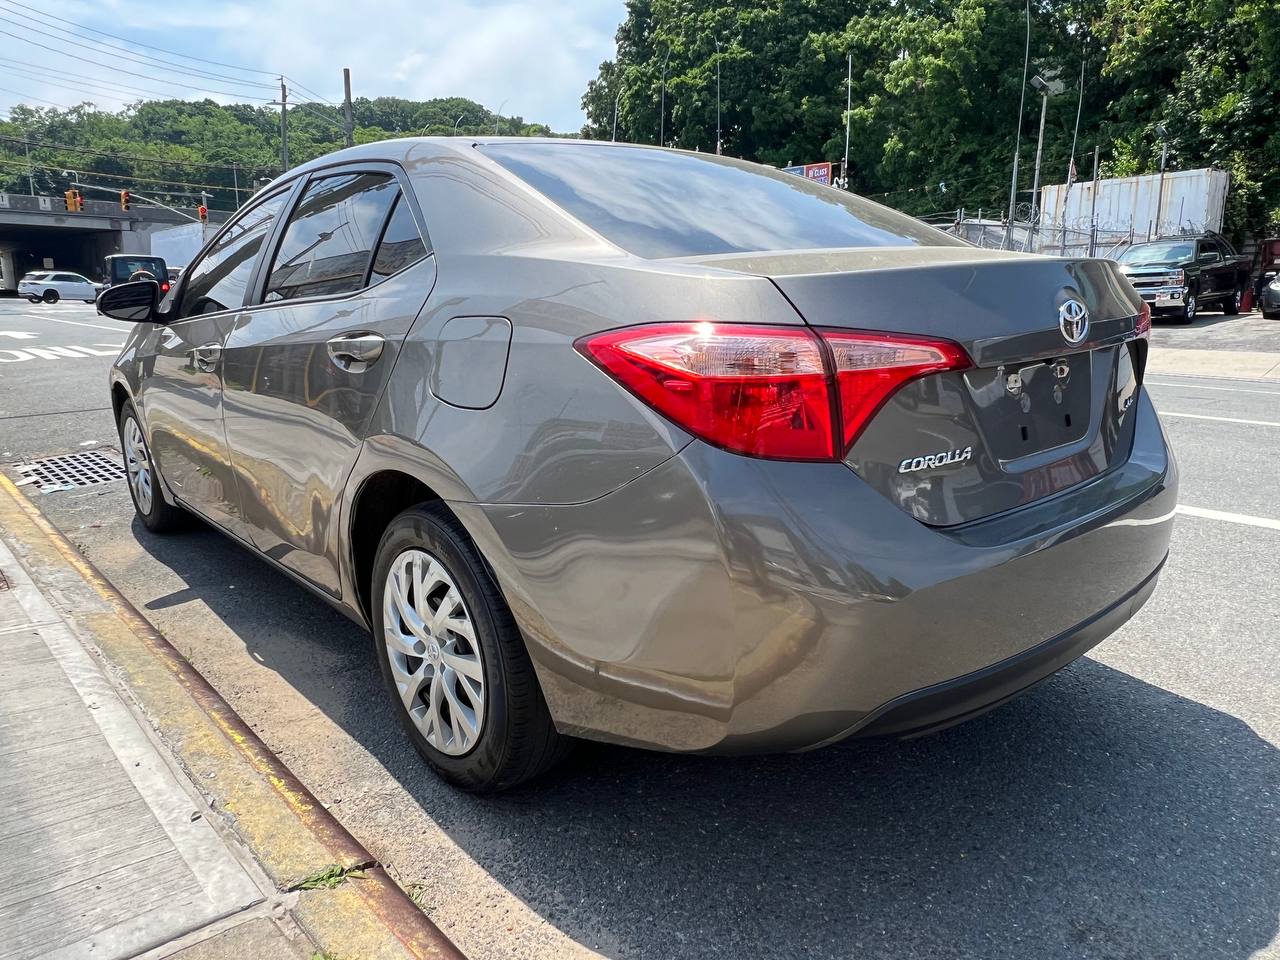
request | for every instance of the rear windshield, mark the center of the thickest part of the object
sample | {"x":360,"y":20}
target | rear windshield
{"x":122,"y":268}
{"x":35,"y":276}
{"x":662,"y":203}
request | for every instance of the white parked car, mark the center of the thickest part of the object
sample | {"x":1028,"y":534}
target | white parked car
{"x":54,"y":285}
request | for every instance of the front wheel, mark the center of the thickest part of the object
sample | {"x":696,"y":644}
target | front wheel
{"x":453,"y":659}
{"x":1189,"y":305}
{"x":33,"y":299}
{"x":50,"y":296}
{"x":156,"y":515}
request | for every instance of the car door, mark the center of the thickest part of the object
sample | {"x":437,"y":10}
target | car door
{"x":307,"y":362}
{"x":1209,"y":259}
{"x":180,"y":390}
{"x":79,"y":288}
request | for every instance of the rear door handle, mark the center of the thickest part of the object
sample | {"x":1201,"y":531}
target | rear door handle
{"x":355,"y":351}
{"x":207,"y":356}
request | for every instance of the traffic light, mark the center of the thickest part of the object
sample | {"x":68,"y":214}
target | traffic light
{"x":124,"y":199}
{"x":75,"y":203}
{"x":203,"y":212}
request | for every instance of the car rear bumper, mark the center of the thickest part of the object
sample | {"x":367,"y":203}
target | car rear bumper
{"x":723,"y":604}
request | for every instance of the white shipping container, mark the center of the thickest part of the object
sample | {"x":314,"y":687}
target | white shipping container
{"x":1193,"y":201}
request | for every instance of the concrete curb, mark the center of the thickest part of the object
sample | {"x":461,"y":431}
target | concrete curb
{"x":365,"y":917}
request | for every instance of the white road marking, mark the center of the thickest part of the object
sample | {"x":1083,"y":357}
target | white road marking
{"x":1203,"y":416}
{"x":1202,"y":386}
{"x":77,"y":323}
{"x":1265,"y":522}
{"x":18,"y":334}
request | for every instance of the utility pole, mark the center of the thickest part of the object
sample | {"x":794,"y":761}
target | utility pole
{"x":348,"y":121}
{"x":31,"y":180}
{"x":848,"y":110}
{"x":615,"y":114}
{"x":235,"y":180}
{"x":284,"y":126}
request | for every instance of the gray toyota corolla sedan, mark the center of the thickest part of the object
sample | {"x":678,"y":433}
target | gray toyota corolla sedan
{"x":652,"y":447}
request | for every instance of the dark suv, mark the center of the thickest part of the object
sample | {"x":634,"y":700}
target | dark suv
{"x":1179,"y":275}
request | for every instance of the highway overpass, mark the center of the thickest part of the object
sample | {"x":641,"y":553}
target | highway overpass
{"x":39,"y":232}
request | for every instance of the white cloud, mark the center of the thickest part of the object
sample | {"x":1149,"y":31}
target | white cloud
{"x":536,"y":56}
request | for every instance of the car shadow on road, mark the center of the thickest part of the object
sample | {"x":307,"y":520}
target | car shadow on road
{"x":1097,"y":816}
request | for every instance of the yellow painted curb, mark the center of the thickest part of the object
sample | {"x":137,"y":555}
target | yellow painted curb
{"x":286,"y":828}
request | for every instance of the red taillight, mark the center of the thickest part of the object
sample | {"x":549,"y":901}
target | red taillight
{"x":767,"y":391}
{"x":164,"y":286}
{"x":1142,"y":326}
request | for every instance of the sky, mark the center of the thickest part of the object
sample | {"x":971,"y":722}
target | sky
{"x":535,"y":56}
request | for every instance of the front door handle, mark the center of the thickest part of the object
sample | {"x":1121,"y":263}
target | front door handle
{"x":207,"y":356}
{"x":354,"y":352}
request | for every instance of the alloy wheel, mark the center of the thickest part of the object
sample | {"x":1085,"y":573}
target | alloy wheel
{"x":137,"y":462}
{"x":433,"y":651}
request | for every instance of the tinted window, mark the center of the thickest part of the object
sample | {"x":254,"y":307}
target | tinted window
{"x":1156,"y":253}
{"x":659,"y":203}
{"x":330,"y":238}
{"x":401,"y":243}
{"x":122,"y":268}
{"x":217,"y":280}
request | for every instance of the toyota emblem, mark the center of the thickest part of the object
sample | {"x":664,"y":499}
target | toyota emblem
{"x":1073,"y":321}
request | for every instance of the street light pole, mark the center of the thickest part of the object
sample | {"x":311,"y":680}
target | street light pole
{"x":1164,"y":156}
{"x":456,"y":122}
{"x":662,"y":109}
{"x":615,"y":114}
{"x":1017,"y":140}
{"x":848,"y":110}
{"x":1040,"y":84}
{"x":718,"y":138}
{"x":498,"y":116}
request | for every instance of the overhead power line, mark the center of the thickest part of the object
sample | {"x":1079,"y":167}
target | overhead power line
{"x":141,"y":58}
{"x":296,"y":85}
{"x":137,"y":43}
{"x":68,"y":148}
{"x":116,"y":176}
{"x":60,"y":74}
{"x":115,"y":68}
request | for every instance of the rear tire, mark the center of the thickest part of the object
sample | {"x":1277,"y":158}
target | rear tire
{"x":140,"y":473}
{"x":50,"y":296}
{"x":1231,"y":303}
{"x":427,"y":654}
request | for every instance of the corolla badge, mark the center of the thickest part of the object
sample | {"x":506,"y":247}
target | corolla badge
{"x":929,"y":461}
{"x":1073,"y":321}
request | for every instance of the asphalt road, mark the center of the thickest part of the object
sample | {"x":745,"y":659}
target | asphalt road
{"x":1128,"y":808}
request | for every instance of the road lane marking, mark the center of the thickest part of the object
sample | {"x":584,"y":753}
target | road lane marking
{"x":1205,"y":416}
{"x":59,"y":353}
{"x":19,"y":334}
{"x":1265,"y":522}
{"x":77,"y":323}
{"x":1202,"y":386}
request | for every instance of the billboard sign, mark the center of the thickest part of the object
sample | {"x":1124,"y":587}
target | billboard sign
{"x":817,"y":172}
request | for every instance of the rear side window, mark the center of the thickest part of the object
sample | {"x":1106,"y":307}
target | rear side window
{"x":661,"y":203}
{"x":329,"y":241}
{"x":401,"y":243}
{"x":217,"y":281}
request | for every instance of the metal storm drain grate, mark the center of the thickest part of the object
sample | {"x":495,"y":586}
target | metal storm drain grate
{"x":73,"y":470}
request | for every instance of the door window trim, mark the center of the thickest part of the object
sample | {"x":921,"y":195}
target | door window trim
{"x":179,"y":289}
{"x":258,"y":282}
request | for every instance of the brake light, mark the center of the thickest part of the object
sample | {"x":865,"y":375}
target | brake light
{"x":164,"y":286}
{"x":774,"y":392}
{"x":870,"y":367}
{"x":1142,"y":326}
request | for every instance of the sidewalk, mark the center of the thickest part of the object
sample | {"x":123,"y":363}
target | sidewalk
{"x":140,"y":817}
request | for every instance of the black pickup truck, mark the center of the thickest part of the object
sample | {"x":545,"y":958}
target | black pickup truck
{"x":1179,"y":275}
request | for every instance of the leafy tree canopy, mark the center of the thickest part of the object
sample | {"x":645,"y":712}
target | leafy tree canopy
{"x":935,"y":90}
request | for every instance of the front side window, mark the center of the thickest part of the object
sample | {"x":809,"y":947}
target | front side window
{"x":217,"y":281}
{"x":329,"y":242}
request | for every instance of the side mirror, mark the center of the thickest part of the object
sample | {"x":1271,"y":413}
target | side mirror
{"x":134,"y":302}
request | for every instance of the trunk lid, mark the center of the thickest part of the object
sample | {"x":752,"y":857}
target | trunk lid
{"x":1035,"y":415}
